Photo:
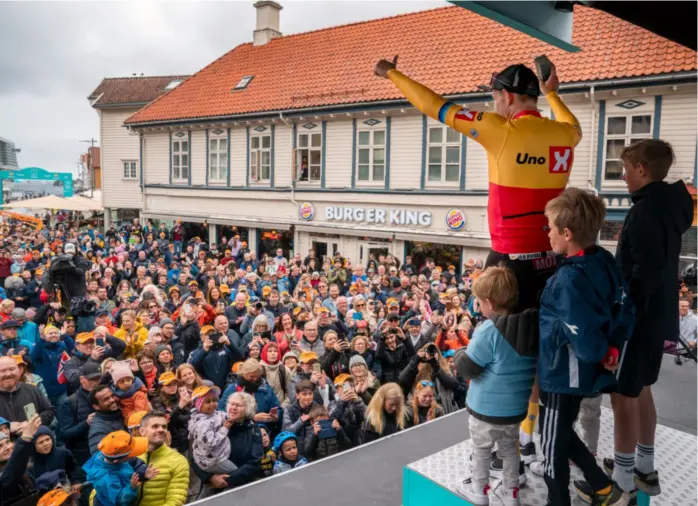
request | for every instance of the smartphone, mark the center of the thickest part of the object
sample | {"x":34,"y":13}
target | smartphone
{"x":183,"y":391}
{"x":99,"y":342}
{"x":29,"y":410}
{"x":274,"y":411}
{"x":316,"y":367}
{"x":543,"y":67}
{"x":346,"y":386}
{"x":326,"y":429}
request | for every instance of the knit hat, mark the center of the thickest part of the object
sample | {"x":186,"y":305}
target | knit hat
{"x":18,"y":313}
{"x":165,"y":321}
{"x":356,"y":360}
{"x":121,"y":370}
{"x":291,"y":353}
{"x":160,"y":348}
{"x":151,"y":334}
{"x":248,"y":366}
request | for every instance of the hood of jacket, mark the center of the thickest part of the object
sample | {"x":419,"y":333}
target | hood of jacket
{"x":135,"y":387}
{"x":673,"y":198}
{"x":520,"y":330}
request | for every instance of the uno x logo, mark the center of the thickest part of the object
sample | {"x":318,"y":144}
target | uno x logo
{"x":466,"y":115}
{"x":560,"y":159}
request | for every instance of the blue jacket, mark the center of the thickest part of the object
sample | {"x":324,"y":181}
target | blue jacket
{"x":16,"y":344}
{"x":215,"y":364}
{"x":500,"y":362}
{"x":46,"y":357}
{"x":112,"y":482}
{"x":102,"y":425}
{"x":264,"y":395}
{"x":73,"y":426}
{"x":584,"y":309}
{"x":58,"y":458}
{"x":28,"y":332}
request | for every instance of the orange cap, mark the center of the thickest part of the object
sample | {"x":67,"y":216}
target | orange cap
{"x":207,"y":329}
{"x":19,"y":359}
{"x":166,"y":378}
{"x":120,"y":444}
{"x":135,"y":419}
{"x":203,"y":390}
{"x":236,"y":366}
{"x":83,"y":337}
{"x":56,"y":497}
{"x":308,"y":356}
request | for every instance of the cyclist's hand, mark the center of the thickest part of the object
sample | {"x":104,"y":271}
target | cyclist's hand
{"x":552,"y":84}
{"x":383,"y":66}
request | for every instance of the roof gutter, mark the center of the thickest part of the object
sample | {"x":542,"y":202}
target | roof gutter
{"x":564,"y":88}
{"x":124,"y":105}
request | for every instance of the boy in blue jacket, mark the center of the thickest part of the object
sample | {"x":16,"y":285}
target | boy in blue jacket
{"x":585,"y":317}
{"x":500,"y":363}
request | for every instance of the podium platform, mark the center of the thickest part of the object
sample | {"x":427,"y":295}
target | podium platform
{"x":433,"y":479}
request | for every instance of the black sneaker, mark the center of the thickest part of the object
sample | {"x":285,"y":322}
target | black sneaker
{"x":528,"y":453}
{"x":587,"y":495}
{"x":647,"y":482}
{"x":496,"y":469}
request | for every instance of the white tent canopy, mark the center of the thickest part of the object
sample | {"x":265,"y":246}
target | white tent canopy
{"x":50,"y":202}
{"x":91,"y":204}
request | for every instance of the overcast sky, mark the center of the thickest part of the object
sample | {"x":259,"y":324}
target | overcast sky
{"x":55,"y":53}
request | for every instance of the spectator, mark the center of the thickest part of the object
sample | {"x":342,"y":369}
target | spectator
{"x":46,"y":356}
{"x":14,"y":396}
{"x":286,"y":447}
{"x":15,"y":484}
{"x":175,"y":404}
{"x":688,"y":323}
{"x":28,"y":330}
{"x":87,"y":350}
{"x":47,"y":456}
{"x":423,"y":407}
{"x":249,"y":380}
{"x":385,"y":415}
{"x":130,"y":391}
{"x":169,"y":486}
{"x":215,"y":356}
{"x":107,"y":417}
{"x":11,"y":344}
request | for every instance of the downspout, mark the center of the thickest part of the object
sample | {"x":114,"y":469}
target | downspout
{"x":592,"y":158}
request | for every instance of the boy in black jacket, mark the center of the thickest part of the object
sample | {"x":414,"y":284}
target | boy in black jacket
{"x":648,"y":254}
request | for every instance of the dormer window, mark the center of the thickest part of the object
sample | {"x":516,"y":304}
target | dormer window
{"x":174,"y":84}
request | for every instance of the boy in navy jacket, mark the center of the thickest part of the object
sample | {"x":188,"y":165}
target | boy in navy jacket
{"x":585,"y":317}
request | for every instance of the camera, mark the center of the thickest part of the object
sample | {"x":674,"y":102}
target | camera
{"x":431,"y":349}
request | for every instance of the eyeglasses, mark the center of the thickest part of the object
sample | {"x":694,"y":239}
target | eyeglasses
{"x":361,"y":305}
{"x":425,"y":383}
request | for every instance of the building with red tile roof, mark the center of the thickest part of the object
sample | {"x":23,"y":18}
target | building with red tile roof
{"x":296,"y":143}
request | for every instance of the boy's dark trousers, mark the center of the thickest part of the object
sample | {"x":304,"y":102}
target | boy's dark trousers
{"x":561,"y":444}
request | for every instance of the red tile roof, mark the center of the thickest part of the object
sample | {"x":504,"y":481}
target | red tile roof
{"x":130,"y":90}
{"x":450,"y":49}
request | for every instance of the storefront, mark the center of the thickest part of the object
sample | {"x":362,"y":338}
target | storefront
{"x":268,"y":241}
{"x":442,"y":254}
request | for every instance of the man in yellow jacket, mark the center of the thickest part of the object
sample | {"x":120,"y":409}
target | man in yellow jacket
{"x":132,"y":333}
{"x":169,"y":487}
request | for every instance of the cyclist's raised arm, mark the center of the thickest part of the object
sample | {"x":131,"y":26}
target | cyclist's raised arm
{"x":560,"y":110}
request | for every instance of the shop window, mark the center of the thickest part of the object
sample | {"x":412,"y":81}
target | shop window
{"x":622,"y":131}
{"x":443,"y":254}
{"x":308,"y":155}
{"x":271,"y":240}
{"x":610,"y":230}
{"x":444,"y":155}
{"x":370,"y":156}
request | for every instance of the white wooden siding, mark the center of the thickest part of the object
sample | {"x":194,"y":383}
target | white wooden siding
{"x":338,"y":145}
{"x":406,"y":152}
{"x":476,"y":177}
{"x":238,"y":156}
{"x":283,"y":154}
{"x":118,"y":144}
{"x":197,"y":158}
{"x":156,"y":154}
{"x":580,"y":168}
{"x":678,"y":126}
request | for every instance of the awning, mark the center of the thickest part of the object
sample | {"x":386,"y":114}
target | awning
{"x":213,"y":220}
{"x":445,"y":238}
{"x":91,"y":204}
{"x":363,"y":232}
{"x":48,"y":202}
{"x":455,"y":238}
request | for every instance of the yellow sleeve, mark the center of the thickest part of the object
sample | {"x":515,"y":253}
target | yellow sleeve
{"x":564,"y":115}
{"x":485,"y":128}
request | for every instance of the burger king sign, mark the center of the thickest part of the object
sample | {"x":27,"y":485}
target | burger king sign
{"x":455,"y":219}
{"x":306,"y":211}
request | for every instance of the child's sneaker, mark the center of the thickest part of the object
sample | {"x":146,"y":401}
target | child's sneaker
{"x":615,"y":497}
{"x":496,"y":469}
{"x":475,"y":497}
{"x":538,"y":468}
{"x":528,"y":453}
{"x":648,"y":483}
{"x":509,"y":497}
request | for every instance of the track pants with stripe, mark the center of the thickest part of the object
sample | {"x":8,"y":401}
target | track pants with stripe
{"x":560,"y":444}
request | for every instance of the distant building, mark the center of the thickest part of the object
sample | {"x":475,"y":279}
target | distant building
{"x":8,"y":155}
{"x":115,"y":99}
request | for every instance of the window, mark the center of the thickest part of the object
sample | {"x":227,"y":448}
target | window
{"x":443,"y":151}
{"x":622,"y":131}
{"x":309,"y":157}
{"x":260,"y":158}
{"x":130,"y":169}
{"x":371,"y":155}
{"x":218,"y":159}
{"x":244,"y":83}
{"x":180,"y":159}
{"x":610,"y":230}
{"x":174,"y":84}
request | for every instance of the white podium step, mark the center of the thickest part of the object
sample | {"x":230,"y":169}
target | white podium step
{"x":433,"y":479}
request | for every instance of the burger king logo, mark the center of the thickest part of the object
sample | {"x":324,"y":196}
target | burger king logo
{"x":455,"y":219}
{"x":306,"y":211}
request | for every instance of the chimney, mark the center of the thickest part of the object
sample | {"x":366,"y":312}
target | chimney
{"x":267,"y":21}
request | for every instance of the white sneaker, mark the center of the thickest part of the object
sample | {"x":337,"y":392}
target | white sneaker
{"x":538,"y":468}
{"x":475,"y":497}
{"x":509,"y":497}
{"x":496,"y":471}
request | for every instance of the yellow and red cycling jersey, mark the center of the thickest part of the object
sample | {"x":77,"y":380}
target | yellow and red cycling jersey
{"x":529,"y":161}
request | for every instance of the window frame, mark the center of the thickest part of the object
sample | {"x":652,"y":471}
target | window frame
{"x":258,"y":155}
{"x":133,"y":170}
{"x":371,"y":146}
{"x":444,"y":145}
{"x":627,"y":137}
{"x":217,"y":153}
{"x":298,"y":157}
{"x":180,"y":167}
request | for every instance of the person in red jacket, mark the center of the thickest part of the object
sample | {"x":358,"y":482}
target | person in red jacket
{"x":5,"y":264}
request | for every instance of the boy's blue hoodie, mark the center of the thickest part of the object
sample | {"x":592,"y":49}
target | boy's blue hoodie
{"x":112,"y":482}
{"x":584,"y":310}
